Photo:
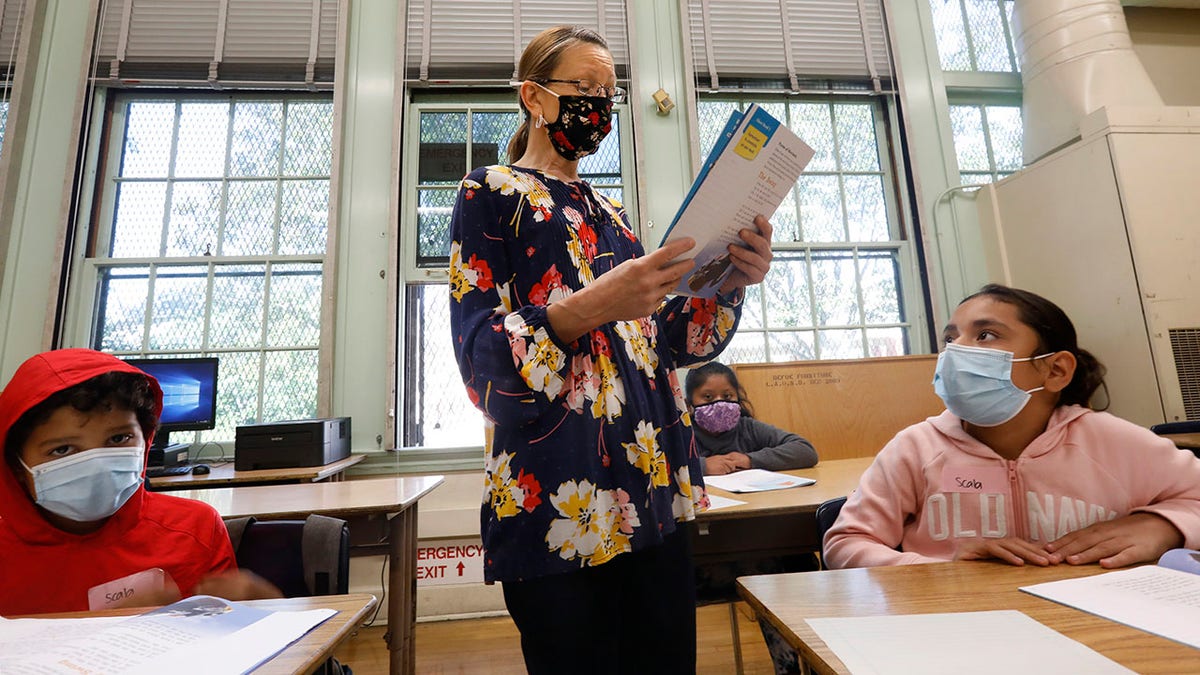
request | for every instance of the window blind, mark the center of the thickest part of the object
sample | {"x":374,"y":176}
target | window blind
{"x":12,"y":13}
{"x":790,"y":40}
{"x":268,"y":42}
{"x":479,"y":40}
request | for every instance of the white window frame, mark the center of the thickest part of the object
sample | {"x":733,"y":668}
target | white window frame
{"x":904,"y":242}
{"x":83,"y":310}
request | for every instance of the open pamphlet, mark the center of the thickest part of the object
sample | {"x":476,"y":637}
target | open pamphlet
{"x":1153,"y":598}
{"x":200,"y":634}
{"x":751,"y":169}
{"x":980,"y":643}
{"x":756,"y":480}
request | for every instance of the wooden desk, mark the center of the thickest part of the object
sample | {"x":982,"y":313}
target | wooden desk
{"x":394,"y":497}
{"x":224,"y":475}
{"x":777,"y":522}
{"x":303,"y":655}
{"x":786,"y":600}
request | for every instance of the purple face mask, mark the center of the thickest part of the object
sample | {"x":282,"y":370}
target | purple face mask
{"x":717,"y":417}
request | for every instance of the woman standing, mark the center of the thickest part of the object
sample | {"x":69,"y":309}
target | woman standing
{"x":567,"y":343}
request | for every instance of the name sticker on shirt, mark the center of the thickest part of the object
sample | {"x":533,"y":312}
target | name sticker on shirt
{"x":975,"y":479}
{"x":137,"y":584}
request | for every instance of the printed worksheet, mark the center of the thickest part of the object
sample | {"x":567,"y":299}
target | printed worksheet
{"x":1152,"y":598}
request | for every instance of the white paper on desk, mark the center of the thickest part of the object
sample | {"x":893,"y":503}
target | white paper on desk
{"x":1155,"y":599}
{"x":719,"y":502}
{"x":190,"y":636}
{"x":1002,"y":642}
{"x":756,"y":480}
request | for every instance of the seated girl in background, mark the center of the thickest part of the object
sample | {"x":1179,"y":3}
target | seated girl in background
{"x":727,"y":435}
{"x":1018,"y":468}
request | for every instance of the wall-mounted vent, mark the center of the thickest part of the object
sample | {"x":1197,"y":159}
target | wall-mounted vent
{"x":1185,"y":346}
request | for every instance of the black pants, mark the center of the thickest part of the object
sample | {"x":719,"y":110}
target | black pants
{"x":634,"y":614}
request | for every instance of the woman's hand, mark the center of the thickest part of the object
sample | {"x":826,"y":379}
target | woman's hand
{"x":751,"y":264}
{"x":1011,"y":550}
{"x":1138,"y":537}
{"x":631,"y":290}
{"x":237,"y":585}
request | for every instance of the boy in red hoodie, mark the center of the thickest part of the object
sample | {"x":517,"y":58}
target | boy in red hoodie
{"x":76,"y":426}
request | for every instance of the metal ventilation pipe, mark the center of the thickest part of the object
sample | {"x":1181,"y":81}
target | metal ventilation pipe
{"x":1076,"y":57}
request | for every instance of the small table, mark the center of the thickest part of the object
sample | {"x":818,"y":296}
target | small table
{"x":394,"y":497}
{"x":303,"y":655}
{"x":776,"y":522}
{"x":224,"y":475}
{"x":786,"y":600}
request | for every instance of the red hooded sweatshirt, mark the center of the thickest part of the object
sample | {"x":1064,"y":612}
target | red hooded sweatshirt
{"x":44,"y":569}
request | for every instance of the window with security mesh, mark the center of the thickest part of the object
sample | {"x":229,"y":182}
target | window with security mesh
{"x":987,"y":141}
{"x":836,"y":288}
{"x":452,"y":139}
{"x":210,"y":240}
{"x":975,"y":35}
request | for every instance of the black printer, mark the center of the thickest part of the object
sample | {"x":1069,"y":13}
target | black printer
{"x":291,"y":444}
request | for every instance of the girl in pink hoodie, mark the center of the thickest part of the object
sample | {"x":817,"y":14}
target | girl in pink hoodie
{"x":1018,"y":468}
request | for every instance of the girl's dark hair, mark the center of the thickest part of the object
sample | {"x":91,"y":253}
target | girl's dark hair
{"x":1055,"y":333}
{"x":538,"y":61}
{"x":115,"y":390}
{"x":697,"y":376}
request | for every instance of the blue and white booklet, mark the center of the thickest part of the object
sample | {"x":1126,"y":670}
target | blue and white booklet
{"x":751,"y":169}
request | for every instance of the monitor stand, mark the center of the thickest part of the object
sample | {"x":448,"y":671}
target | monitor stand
{"x":163,"y":453}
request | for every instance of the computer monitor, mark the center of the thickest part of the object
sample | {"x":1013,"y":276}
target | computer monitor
{"x":189,"y":386}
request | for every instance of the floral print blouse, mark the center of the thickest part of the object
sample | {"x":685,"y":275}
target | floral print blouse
{"x":590,"y":453}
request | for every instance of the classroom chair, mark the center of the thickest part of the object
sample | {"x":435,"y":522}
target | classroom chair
{"x":301,"y":557}
{"x":827,"y":513}
{"x":1186,"y":427}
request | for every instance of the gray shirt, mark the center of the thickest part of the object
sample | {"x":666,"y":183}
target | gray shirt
{"x":767,"y":447}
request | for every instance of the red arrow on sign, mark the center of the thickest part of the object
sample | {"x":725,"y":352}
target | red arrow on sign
{"x":460,"y":568}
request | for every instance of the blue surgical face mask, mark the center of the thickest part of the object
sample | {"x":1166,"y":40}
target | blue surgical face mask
{"x":89,"y":485}
{"x":976,"y":384}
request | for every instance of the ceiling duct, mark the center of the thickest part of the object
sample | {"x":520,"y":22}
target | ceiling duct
{"x":1076,"y":57}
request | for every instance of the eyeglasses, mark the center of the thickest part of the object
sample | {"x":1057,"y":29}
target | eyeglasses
{"x":590,"y":88}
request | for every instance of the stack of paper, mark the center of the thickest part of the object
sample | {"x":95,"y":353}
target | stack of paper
{"x":756,"y":480}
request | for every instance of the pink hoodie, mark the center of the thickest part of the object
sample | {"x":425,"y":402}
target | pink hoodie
{"x":934,"y":484}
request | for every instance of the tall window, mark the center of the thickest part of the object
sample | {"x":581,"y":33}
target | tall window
{"x":836,"y":286}
{"x":987,"y":141}
{"x":975,"y":42}
{"x":451,"y":139}
{"x":974,"y":35}
{"x":210,"y":239}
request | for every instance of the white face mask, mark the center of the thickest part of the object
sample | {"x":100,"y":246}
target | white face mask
{"x":89,"y":485}
{"x":976,"y":384}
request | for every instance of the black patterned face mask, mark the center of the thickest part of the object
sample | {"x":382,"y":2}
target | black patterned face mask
{"x":583,"y":122}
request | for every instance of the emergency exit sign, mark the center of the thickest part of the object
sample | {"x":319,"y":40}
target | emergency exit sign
{"x":450,"y":561}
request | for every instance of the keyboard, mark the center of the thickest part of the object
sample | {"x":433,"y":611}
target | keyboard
{"x":160,"y":471}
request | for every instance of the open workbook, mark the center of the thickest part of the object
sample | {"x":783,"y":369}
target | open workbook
{"x":751,"y":169}
{"x":197,"y":634}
